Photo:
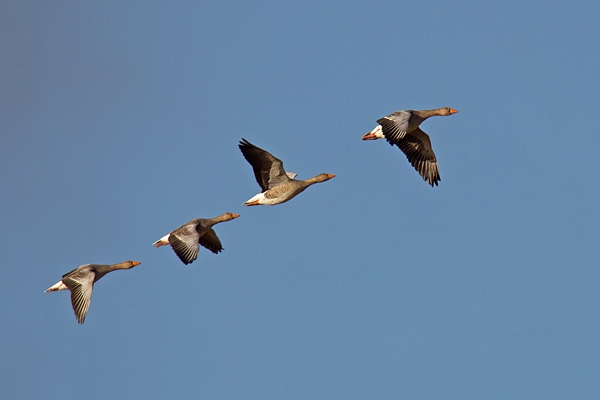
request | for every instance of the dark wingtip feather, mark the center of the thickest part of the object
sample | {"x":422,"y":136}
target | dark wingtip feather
{"x":244,"y":144}
{"x":185,"y":258}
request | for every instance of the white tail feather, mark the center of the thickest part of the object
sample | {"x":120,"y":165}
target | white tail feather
{"x":162,"y":241}
{"x":57,"y":286}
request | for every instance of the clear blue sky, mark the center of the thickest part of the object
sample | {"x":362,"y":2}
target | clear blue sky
{"x":119,"y":122}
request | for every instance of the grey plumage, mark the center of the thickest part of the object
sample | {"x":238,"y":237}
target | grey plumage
{"x":401,"y":128}
{"x":277,"y":185}
{"x":80,"y":282}
{"x":186,"y":239}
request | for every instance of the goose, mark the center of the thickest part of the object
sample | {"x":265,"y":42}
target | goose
{"x":185,"y":239}
{"x":401,"y":128}
{"x":278,"y":186}
{"x":81,"y":281}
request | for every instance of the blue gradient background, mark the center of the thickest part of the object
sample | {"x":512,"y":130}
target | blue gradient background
{"x":119,"y":122}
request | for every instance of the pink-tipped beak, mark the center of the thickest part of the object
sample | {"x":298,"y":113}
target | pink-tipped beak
{"x":453,"y":111}
{"x":369,"y":136}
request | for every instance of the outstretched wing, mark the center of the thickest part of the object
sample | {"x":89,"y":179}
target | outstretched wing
{"x":211,"y":241}
{"x":184,"y":242}
{"x":268,"y":169}
{"x":80,"y":283}
{"x":417,"y":148}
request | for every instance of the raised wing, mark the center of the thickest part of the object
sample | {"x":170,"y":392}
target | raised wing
{"x":268,"y":169}
{"x":417,"y":148}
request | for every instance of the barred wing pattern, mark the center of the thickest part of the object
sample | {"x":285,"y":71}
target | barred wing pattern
{"x":80,"y":283}
{"x":417,"y":148}
{"x":268,"y":169}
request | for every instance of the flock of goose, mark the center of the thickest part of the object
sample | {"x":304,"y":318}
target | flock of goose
{"x":400,"y":128}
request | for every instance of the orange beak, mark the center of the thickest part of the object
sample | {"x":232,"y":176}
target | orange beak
{"x":453,"y":111}
{"x":235,"y":215}
{"x":370,"y":136}
{"x":330,"y":176}
{"x":136,"y":263}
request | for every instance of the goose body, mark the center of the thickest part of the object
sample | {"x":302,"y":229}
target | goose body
{"x":186,"y":239}
{"x":80,"y":282}
{"x":401,"y":128}
{"x":278,"y":186}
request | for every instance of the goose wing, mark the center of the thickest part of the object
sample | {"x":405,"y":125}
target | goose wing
{"x":184,"y":242}
{"x":211,"y":241}
{"x":395,"y":125}
{"x":268,"y":169}
{"x":417,"y":148}
{"x":80,"y":282}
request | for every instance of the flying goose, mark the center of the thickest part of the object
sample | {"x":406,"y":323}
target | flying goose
{"x":185,"y":239}
{"x":81,"y":281}
{"x":278,"y":186}
{"x":402,"y":129}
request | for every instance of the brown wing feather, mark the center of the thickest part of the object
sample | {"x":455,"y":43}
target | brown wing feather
{"x":211,"y":241}
{"x":268,"y":169}
{"x":416,"y":145}
{"x":80,"y":284}
{"x":186,"y":251}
